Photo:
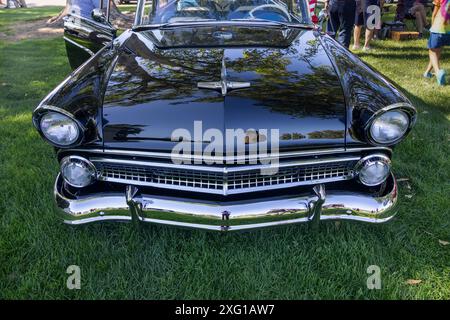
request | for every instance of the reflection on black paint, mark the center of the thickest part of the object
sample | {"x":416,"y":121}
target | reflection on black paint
{"x":294,"y":87}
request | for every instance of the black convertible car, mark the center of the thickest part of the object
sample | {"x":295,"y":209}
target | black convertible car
{"x":221,"y":115}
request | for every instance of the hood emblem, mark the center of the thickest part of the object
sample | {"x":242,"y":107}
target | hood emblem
{"x":223,"y":85}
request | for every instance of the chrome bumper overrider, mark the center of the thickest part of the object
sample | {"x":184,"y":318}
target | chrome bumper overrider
{"x":227,"y":216}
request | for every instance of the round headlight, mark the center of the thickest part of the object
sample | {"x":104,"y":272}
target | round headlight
{"x":389,"y":126}
{"x":373,"y":170}
{"x":59,"y":129}
{"x":77,"y":171}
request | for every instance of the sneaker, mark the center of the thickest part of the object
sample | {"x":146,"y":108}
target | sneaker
{"x":367,"y":49}
{"x":428,"y":75}
{"x":355,"y":47}
{"x":440,"y":77}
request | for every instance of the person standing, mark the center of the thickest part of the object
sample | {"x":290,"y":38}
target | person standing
{"x":341,"y":19}
{"x":419,"y":12}
{"x":14,"y":2}
{"x":17,"y":3}
{"x":400,"y":11}
{"x":363,"y":17}
{"x":439,"y":38}
{"x":84,"y":8}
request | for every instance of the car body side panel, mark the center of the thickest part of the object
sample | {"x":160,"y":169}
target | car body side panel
{"x":365,"y":89}
{"x":84,"y":37}
{"x":81,"y":94}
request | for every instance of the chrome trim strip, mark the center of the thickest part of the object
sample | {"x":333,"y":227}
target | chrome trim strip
{"x":244,"y":227}
{"x":45,"y":107}
{"x":191,"y":24}
{"x":356,"y":218}
{"x":95,"y":219}
{"x":78,"y":45}
{"x":108,"y":9}
{"x":224,"y":170}
{"x":167,"y":155}
{"x":400,"y":105}
{"x":139,"y":13}
{"x":226,"y":190}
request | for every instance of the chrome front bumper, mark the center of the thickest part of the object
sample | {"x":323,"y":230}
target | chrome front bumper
{"x":228,"y":216}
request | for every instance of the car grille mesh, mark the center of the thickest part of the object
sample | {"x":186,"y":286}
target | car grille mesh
{"x":224,"y":183}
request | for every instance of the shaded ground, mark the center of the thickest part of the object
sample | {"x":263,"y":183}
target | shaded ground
{"x":31,"y":30}
{"x":42,"y":3}
{"x":30,"y":21}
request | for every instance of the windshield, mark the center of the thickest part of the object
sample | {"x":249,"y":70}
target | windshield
{"x":188,"y":11}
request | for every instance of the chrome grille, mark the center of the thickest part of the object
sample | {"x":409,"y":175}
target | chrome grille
{"x":224,"y":182}
{"x":161,"y":176}
{"x":288,"y":176}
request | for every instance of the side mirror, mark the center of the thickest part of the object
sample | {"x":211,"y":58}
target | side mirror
{"x":98,"y":16}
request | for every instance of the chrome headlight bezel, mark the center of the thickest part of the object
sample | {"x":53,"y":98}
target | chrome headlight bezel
{"x":77,"y":159}
{"x":404,"y":108}
{"x":45,"y":110}
{"x":372,"y":159}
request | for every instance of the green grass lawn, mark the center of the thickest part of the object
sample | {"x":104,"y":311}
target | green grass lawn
{"x":11,"y":16}
{"x":118,"y":261}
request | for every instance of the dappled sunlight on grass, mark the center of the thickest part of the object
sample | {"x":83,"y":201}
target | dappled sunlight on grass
{"x":28,"y":72}
{"x":38,"y":84}
{"x":18,"y":118}
{"x":405,"y":62}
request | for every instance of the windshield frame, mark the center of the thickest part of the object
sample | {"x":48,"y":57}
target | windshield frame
{"x":140,"y":12}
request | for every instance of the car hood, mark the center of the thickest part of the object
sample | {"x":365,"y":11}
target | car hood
{"x":153,"y":88}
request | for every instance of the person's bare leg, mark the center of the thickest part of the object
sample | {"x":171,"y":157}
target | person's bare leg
{"x":356,"y":37}
{"x":419,"y":21}
{"x":429,"y":67}
{"x":423,"y":13}
{"x":435,"y":55}
{"x":427,"y":74}
{"x":369,"y":36}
